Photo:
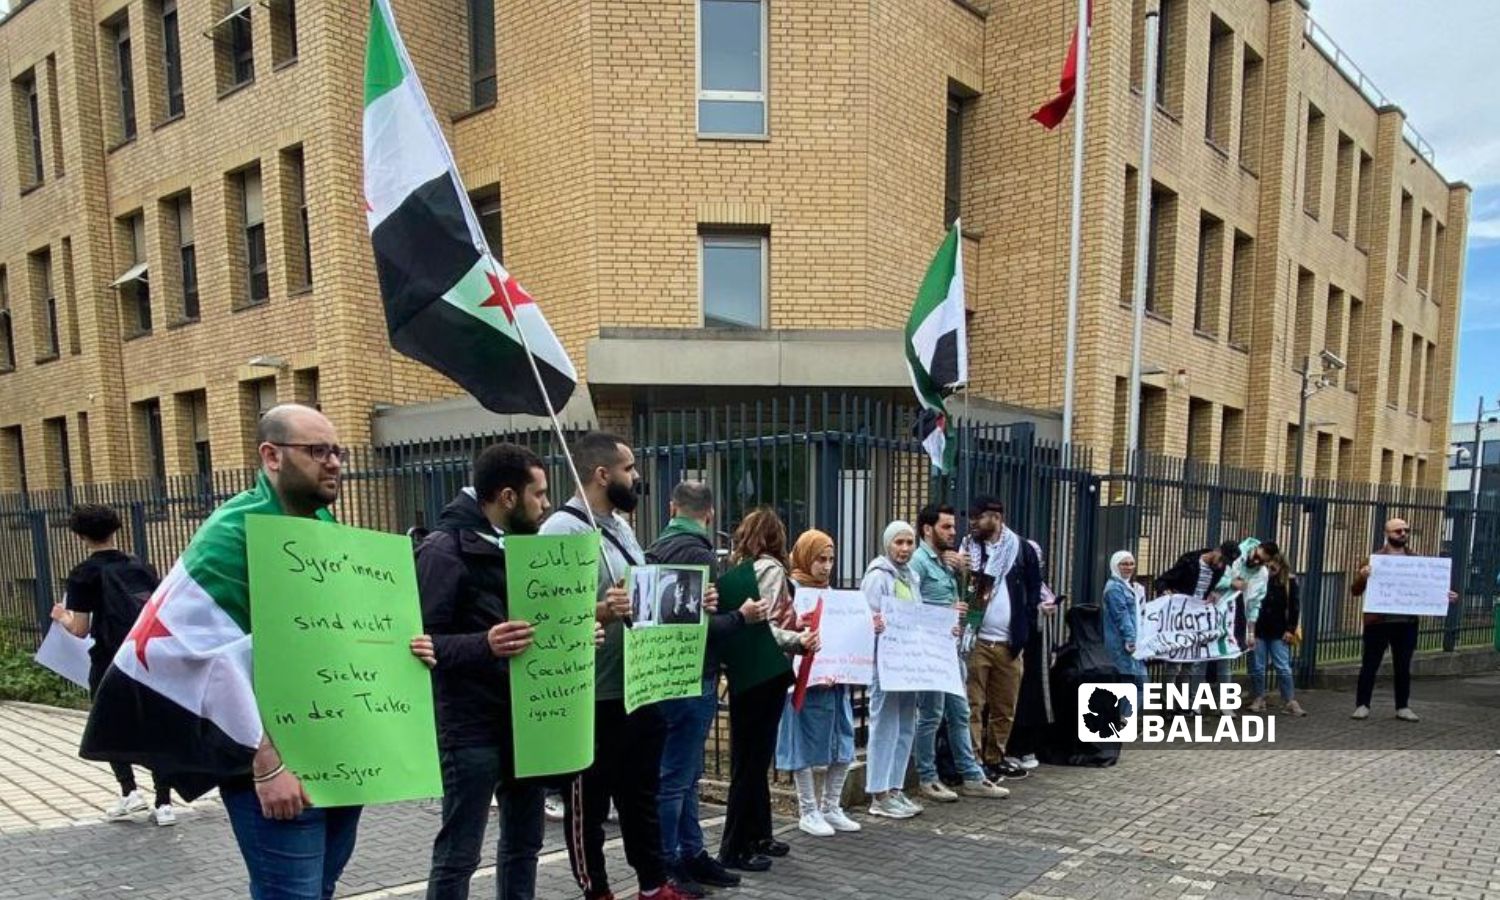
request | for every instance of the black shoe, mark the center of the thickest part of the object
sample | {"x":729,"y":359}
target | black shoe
{"x":1011,"y":771}
{"x":685,"y":884}
{"x":746,"y":862}
{"x":704,"y":869}
{"x":773,"y":847}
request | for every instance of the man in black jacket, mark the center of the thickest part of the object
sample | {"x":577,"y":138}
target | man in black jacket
{"x":688,"y":541}
{"x":1195,"y":573}
{"x":461,"y":577}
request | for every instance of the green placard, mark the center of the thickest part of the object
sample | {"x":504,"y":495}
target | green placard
{"x":552,"y":581}
{"x":349,"y":707}
{"x":663,"y":662}
{"x":751,"y":656}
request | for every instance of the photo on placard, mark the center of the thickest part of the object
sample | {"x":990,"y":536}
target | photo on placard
{"x":643,"y":595}
{"x":680,"y":596}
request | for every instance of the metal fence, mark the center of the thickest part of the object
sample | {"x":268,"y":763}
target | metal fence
{"x":848,"y":465}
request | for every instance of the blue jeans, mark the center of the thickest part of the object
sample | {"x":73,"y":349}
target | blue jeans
{"x":1281,"y":660}
{"x":1200,"y":674}
{"x":687,"y":723}
{"x":471,"y":776}
{"x":933,"y":708}
{"x":893,"y":728}
{"x":293,"y":859}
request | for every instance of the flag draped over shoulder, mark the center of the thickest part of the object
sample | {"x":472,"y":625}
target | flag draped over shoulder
{"x":178,"y":696}
{"x":448,"y":302}
{"x":937,"y":346}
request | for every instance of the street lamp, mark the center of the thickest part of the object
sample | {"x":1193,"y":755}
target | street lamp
{"x":1328,"y":362}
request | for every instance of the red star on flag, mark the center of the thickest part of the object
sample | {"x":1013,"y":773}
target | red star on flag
{"x":148,"y":626}
{"x":507,"y":295}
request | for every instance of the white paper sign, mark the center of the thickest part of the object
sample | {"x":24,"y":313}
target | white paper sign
{"x":66,"y":655}
{"x":848,"y":632}
{"x":1408,"y":585}
{"x":1182,"y":628}
{"x":917,"y":650}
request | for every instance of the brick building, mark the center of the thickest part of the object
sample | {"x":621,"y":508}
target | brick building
{"x":710,"y":198}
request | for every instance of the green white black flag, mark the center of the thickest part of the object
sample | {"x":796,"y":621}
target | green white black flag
{"x":937,"y":346}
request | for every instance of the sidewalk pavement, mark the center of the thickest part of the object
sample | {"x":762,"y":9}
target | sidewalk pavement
{"x":1336,"y":808}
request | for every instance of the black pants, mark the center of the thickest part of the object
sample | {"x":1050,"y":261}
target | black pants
{"x":627,"y":768}
{"x":1401,"y":637}
{"x":1030,"y":730}
{"x":754,"y":717}
{"x":471,"y":776}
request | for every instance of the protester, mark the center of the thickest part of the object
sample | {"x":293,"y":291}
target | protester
{"x":627,"y":746}
{"x":1386,"y":630}
{"x":1196,"y":573}
{"x":292,"y":850}
{"x":104,"y":594}
{"x":755,"y":713}
{"x":999,"y":629}
{"x":688,"y":540}
{"x":935,"y":563}
{"x":820,"y":735}
{"x":1275,"y":628}
{"x":461,"y":579}
{"x":1122,"y":601}
{"x":893,"y":714}
{"x":1247,"y":577}
{"x":1030,"y":729}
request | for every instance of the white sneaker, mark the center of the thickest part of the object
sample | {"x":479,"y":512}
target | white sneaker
{"x":984,"y":789}
{"x":552,"y":808}
{"x":1406,"y":715}
{"x":911,"y":805}
{"x":128,"y":805}
{"x":890,"y":808}
{"x":814,"y":824}
{"x":1361,"y":712}
{"x":164,"y":815}
{"x":1029,"y":761}
{"x":936,"y":790}
{"x":614,"y":814}
{"x":841,"y":821}
{"x":1014,"y":761}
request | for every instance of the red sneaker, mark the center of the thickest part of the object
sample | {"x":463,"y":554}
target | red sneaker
{"x":667,"y":891}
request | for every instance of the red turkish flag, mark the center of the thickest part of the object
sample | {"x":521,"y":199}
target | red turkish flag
{"x":1055,"y":110}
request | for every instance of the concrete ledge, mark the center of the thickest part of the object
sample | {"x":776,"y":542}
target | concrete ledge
{"x":1426,"y":664}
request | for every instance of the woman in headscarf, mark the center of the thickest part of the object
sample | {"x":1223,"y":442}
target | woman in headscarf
{"x":755,"y":713}
{"x":820,"y":735}
{"x":1122,"y":602}
{"x":893,"y":714}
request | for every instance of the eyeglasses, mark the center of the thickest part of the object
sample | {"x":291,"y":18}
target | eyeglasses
{"x":1400,"y":530}
{"x":320,"y":452}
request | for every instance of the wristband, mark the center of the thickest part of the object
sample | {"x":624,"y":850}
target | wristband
{"x":267,"y":776}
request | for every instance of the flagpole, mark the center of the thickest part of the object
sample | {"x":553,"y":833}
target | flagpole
{"x":1075,"y":236}
{"x":1142,"y":245}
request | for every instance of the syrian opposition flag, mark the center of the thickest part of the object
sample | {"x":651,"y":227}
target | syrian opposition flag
{"x":1051,"y":113}
{"x":448,"y":302}
{"x":178,"y":696}
{"x":937,"y":346}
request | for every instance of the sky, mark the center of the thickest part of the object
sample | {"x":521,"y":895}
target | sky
{"x":1436,"y":60}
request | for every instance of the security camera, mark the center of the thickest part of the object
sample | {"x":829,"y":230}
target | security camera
{"x":1331,"y":360}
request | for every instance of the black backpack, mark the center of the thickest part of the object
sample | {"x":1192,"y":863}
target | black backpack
{"x":124,"y":589}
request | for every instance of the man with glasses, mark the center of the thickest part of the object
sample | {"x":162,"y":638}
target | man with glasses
{"x":1386,"y":630}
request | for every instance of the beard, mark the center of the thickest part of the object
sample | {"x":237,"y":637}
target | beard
{"x":1396,"y":541}
{"x":622,"y":496}
{"x":521,"y":523}
{"x":304,"y":491}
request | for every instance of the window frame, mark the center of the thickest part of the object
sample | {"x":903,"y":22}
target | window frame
{"x":34,"y":118}
{"x":187,"y":260}
{"x":762,"y":242}
{"x":762,"y":96}
{"x":241,"y":58}
{"x":125,"y":78}
{"x":490,"y":76}
{"x":171,"y":53}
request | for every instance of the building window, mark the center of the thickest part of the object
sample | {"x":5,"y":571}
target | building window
{"x":1333,"y":328}
{"x":85,"y":457}
{"x":1307,"y":286}
{"x":1241,"y":289}
{"x":733,"y":280}
{"x":1403,"y":245}
{"x":125,"y":75}
{"x":294,"y":226}
{"x":1346,"y":460}
{"x":187,"y":256}
{"x":257,"y":398}
{"x":153,"y":449}
{"x":1354,"y":340}
{"x":29,"y":130}
{"x":1323,"y":458}
{"x":192,"y":419}
{"x":7,"y":330}
{"x":1171,"y":54}
{"x":486,"y":204}
{"x":1220,"y":83}
{"x":1439,"y":266}
{"x":171,"y":58}
{"x":135,"y":282}
{"x":253,"y":226}
{"x":1343,"y":186}
{"x":1312,"y":163}
{"x":1210,"y":275}
{"x":1232,"y":438}
{"x":953,"y":161}
{"x":1414,"y":375}
{"x":481,"y":53}
{"x":1252,"y":97}
{"x":13,"y":473}
{"x":732,"y":38}
{"x":234,"y":47}
{"x":55,"y":435}
{"x":1424,"y":254}
{"x":283,"y":31}
{"x":70,"y":297}
{"x":1490,"y":454}
{"x":1128,"y":235}
{"x":1394,"y":370}
{"x":1290,"y":455}
{"x":44,"y":300}
{"x":305,"y":388}
{"x":1364,"y":203}
{"x":1161,"y":254}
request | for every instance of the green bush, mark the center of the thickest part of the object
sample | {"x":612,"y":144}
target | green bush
{"x":22,"y":679}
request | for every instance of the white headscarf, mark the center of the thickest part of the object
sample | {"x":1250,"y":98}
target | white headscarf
{"x":893,"y":531}
{"x":1114,"y":564}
